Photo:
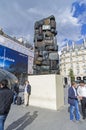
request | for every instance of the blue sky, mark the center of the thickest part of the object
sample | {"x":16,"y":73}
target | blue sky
{"x":17,"y":18}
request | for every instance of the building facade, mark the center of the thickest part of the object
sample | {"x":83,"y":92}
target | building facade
{"x":15,"y":57}
{"x":74,"y":58}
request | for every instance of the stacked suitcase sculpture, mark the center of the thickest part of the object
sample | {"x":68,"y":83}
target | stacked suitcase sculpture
{"x":46,"y":58}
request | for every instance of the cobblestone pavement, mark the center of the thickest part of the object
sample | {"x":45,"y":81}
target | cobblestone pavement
{"x":34,"y":118}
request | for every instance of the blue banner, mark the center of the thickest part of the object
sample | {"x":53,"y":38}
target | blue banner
{"x":13,"y":61}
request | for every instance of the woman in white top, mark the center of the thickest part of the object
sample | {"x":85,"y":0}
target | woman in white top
{"x":81,"y":91}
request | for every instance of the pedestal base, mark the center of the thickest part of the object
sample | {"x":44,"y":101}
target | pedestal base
{"x":47,"y":91}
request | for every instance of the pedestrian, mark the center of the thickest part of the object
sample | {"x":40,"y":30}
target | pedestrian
{"x":27,"y":92}
{"x":81,"y":90}
{"x":6,"y":99}
{"x":15,"y":89}
{"x":73,"y":101}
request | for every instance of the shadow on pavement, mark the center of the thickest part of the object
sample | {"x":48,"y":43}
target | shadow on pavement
{"x":23,"y":122}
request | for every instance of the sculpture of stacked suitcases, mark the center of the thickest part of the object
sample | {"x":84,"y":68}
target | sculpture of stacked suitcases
{"x":46,"y":58}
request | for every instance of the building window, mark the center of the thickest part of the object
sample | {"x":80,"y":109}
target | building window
{"x":83,"y":58}
{"x":77,"y":71}
{"x":71,"y":65}
{"x":76,"y":52}
{"x":70,"y":58}
{"x":65,"y":71}
{"x":84,"y":70}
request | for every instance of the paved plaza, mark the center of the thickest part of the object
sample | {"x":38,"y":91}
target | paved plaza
{"x":34,"y":118}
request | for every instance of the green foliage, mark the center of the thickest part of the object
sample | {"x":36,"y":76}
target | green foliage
{"x":71,"y":75}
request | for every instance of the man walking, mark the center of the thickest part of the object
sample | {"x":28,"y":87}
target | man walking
{"x":73,"y":101}
{"x":6,"y":98}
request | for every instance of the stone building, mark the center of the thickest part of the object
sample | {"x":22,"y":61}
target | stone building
{"x":15,"y":56}
{"x":73,"y":57}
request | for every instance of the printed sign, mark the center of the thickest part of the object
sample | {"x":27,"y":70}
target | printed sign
{"x":13,"y":61}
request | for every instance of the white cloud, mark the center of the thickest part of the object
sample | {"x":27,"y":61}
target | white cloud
{"x":67,"y":26}
{"x":82,"y":1}
{"x":19,"y":17}
{"x":29,"y":37}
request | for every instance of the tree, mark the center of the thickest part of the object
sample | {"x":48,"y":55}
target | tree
{"x":71,"y":75}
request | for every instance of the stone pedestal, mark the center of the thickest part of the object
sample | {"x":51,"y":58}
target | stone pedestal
{"x":47,"y":91}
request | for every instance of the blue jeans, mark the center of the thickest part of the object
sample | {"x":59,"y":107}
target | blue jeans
{"x":2,"y":120}
{"x":74,"y":111}
{"x":15,"y":98}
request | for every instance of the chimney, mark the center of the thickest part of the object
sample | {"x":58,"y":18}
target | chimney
{"x":84,"y":42}
{"x":67,"y":46}
{"x":73,"y":44}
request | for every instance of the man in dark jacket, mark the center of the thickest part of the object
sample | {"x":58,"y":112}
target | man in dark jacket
{"x":6,"y":98}
{"x":73,"y":101}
